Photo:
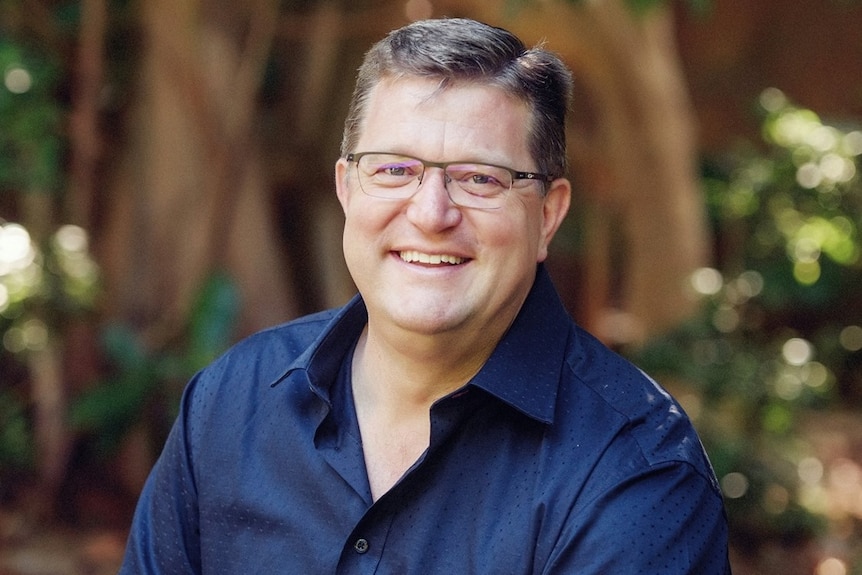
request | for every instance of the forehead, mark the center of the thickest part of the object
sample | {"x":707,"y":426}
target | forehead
{"x":461,"y":120}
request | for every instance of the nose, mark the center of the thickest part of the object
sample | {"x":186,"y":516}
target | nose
{"x":431,"y":208}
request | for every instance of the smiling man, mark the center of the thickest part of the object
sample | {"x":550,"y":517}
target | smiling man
{"x":451,"y":418}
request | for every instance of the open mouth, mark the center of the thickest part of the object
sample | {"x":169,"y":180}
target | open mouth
{"x":432,"y":259}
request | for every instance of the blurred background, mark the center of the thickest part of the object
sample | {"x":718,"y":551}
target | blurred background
{"x":166,"y":188}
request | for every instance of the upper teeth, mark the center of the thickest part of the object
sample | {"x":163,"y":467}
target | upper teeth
{"x":413,"y":256}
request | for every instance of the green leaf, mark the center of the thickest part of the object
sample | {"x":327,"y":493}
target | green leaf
{"x":114,"y":404}
{"x":122,"y":347}
{"x":643,"y":6}
{"x":16,"y":440}
{"x":213,"y":319}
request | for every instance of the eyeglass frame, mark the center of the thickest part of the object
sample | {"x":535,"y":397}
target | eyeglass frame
{"x":516,"y":175}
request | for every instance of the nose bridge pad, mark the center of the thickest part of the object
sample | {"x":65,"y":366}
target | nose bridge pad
{"x":447,"y":179}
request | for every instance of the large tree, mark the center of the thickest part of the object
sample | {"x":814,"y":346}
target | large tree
{"x":221,"y":160}
{"x":190,"y":195}
{"x":194,"y":189}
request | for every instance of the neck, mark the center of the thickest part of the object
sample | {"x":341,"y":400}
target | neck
{"x":409,"y":374}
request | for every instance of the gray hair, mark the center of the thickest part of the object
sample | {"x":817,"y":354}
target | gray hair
{"x":456,"y":49}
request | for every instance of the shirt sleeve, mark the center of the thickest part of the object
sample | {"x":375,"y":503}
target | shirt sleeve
{"x":165,"y":535}
{"x":668,"y":519}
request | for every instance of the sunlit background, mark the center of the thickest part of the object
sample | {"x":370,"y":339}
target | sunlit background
{"x":165,"y":189}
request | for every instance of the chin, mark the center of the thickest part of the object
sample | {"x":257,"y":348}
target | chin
{"x":426,"y":325}
{"x":426,"y":322}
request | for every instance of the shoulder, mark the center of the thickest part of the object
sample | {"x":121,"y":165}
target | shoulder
{"x":631,"y":413}
{"x":283,"y":343}
{"x":243,"y":374}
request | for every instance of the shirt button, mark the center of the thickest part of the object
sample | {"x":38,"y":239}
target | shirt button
{"x":361,"y":545}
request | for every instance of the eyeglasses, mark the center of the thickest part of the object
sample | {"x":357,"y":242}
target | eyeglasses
{"x":391,"y":176}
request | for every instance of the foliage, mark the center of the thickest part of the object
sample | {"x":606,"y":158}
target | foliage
{"x":39,"y":289}
{"x":16,"y":442}
{"x":44,"y":281}
{"x":30,"y":142}
{"x":779,"y":338}
{"x":147,"y":384}
{"x":644,"y":6}
{"x":47,"y":279}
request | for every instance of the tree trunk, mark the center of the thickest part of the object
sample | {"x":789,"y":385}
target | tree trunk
{"x":191,"y":195}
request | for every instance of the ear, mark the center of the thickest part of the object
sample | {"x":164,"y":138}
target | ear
{"x":554,"y":210}
{"x":342,"y":190}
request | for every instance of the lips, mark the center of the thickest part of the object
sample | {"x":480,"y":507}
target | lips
{"x":412,"y":256}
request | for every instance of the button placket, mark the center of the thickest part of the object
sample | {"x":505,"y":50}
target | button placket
{"x":363,"y":549}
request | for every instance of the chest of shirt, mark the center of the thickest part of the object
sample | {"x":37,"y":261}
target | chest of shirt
{"x":480,"y":500}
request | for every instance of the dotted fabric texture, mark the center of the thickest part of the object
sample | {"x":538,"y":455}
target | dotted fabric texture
{"x":559,"y":457}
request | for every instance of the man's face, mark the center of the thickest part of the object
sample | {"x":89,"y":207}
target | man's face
{"x":495,"y":251}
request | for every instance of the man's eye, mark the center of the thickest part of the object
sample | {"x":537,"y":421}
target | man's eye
{"x":396,"y":170}
{"x":483,"y":179}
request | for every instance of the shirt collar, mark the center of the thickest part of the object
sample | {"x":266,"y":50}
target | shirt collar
{"x":323,"y":358}
{"x":523,"y":371}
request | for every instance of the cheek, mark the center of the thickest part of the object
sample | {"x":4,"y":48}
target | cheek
{"x":360,"y":213}
{"x":354,"y":234}
{"x":520,"y":233}
{"x":366,"y":223}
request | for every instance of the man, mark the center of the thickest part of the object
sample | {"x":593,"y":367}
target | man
{"x":450,"y":419}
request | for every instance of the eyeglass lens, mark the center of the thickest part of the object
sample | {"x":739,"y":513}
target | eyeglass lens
{"x":397,"y":177}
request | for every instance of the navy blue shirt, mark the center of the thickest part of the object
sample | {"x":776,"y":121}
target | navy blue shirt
{"x":557,"y":457}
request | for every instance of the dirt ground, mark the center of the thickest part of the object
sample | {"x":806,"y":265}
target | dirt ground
{"x":86,"y":535}
{"x":62,"y":551}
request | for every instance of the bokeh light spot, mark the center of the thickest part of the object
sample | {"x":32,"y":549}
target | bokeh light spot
{"x":853,"y":143}
{"x":809,"y":175}
{"x":850,"y":338}
{"x":17,"y":80}
{"x":707,"y":281}
{"x":788,"y":385}
{"x":797,"y":351}
{"x":15,"y":248}
{"x":71,"y":238}
{"x":810,"y":470}
{"x":831,"y":566}
{"x":725,"y":319}
{"x":806,"y":272}
{"x":773,"y":99}
{"x":776,"y":499}
{"x":734,"y":485}
{"x":815,"y":374}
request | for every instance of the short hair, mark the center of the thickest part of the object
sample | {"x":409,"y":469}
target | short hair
{"x":463,"y":50}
